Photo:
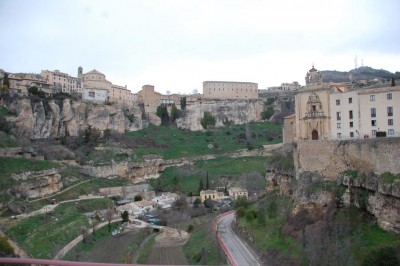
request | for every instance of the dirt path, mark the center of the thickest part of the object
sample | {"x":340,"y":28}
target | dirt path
{"x":61,"y":192}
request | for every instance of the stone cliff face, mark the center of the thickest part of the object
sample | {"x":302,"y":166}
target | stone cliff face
{"x":47,"y":119}
{"x":237,"y":111}
{"x":37,"y":184}
{"x":320,"y":175}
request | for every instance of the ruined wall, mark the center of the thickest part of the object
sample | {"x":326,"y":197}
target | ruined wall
{"x":330,"y":158}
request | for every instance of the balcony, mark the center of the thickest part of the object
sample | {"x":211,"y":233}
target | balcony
{"x":314,"y":115}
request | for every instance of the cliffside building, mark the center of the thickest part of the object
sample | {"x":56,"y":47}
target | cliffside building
{"x":332,"y":111}
{"x":21,"y":82}
{"x":230,"y":90}
{"x":62,"y":82}
{"x":119,"y":95}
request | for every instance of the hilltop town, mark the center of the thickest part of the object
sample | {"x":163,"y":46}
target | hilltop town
{"x":90,"y":166}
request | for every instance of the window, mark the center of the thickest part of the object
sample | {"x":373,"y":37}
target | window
{"x":373,"y":112}
{"x":373,"y":123}
{"x":373,"y":133}
{"x":351,"y":114}
{"x":314,"y":108}
{"x":390,"y":111}
{"x":390,"y":132}
{"x":338,"y":116}
{"x":350,"y":100}
{"x":389,"y":97}
{"x":338,"y":125}
{"x":372,"y":98}
{"x":339,"y":135}
{"x":337,"y":102}
{"x":351,"y":124}
{"x":390,"y":122}
{"x":351,"y":134}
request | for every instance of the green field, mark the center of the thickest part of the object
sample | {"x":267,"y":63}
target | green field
{"x":42,"y":236}
{"x":200,"y":249}
{"x":187,"y":179}
{"x":171,"y":142}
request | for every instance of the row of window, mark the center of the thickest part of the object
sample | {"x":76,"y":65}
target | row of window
{"x":251,"y":90}
{"x":390,"y":132}
{"x":373,"y":123}
{"x":373,"y":113}
{"x":389,"y":96}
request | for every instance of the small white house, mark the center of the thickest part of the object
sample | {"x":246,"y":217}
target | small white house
{"x":143,"y":205}
{"x":166,"y":200}
{"x":95,"y":95}
{"x":236,"y":192}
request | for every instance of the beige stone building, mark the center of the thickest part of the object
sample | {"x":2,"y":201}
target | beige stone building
{"x":332,"y":111}
{"x":119,"y":95}
{"x":230,"y":90}
{"x":21,"y":82}
{"x":236,"y":192}
{"x":210,"y":194}
{"x":62,"y":82}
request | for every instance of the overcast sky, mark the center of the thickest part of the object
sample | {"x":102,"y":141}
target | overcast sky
{"x":175,"y":45}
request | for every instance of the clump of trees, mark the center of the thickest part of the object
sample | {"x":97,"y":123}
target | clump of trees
{"x":208,"y":120}
{"x":167,"y":118}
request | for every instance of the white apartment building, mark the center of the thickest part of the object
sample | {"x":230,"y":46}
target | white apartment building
{"x":95,"y":95}
{"x":362,"y":113}
{"x":230,"y":90}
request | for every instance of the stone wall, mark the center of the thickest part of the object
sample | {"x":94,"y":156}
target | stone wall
{"x":330,"y":158}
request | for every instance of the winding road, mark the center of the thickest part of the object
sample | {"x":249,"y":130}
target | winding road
{"x":236,"y":251}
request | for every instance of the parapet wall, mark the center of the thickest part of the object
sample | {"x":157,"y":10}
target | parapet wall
{"x":332,"y":157}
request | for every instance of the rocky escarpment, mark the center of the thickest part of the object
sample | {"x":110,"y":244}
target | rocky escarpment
{"x":48,"y":118}
{"x":36,"y":184}
{"x":231,"y":111}
{"x":378,"y":195}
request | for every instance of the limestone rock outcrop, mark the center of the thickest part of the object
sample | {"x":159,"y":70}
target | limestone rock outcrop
{"x":234,"y":111}
{"x":48,"y":118}
{"x":37,"y":183}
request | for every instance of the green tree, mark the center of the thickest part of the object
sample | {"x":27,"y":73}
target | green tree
{"x":162,"y":113}
{"x":5,"y":248}
{"x":125,"y":216}
{"x":201,"y":184}
{"x":207,"y":182}
{"x":241,"y":202}
{"x":207,"y":120}
{"x":6,"y":81}
{"x":174,"y":113}
{"x":267,"y":113}
{"x":138,"y":197}
{"x":33,"y":90}
{"x":183,"y":103}
{"x":196,"y":202}
{"x":272,"y":209}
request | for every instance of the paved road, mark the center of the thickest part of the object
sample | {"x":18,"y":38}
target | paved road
{"x":236,"y":251}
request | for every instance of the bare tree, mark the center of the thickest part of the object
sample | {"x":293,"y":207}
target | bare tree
{"x":110,"y":213}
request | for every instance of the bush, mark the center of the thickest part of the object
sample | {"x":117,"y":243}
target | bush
{"x":207,"y":120}
{"x":385,"y":256}
{"x":137,"y":198}
{"x":267,"y":113}
{"x":241,"y":202}
{"x":5,"y":248}
{"x":190,"y":228}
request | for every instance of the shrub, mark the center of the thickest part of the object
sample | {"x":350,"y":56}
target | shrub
{"x":241,"y":202}
{"x":267,"y":113}
{"x":137,"y":198}
{"x":5,"y":248}
{"x":352,"y":173}
{"x":190,"y":228}
{"x":385,"y":256}
{"x":388,"y":177}
{"x":207,"y":120}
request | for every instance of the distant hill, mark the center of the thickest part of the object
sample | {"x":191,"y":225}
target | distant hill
{"x":361,"y":73}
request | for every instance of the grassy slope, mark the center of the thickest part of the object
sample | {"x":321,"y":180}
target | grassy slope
{"x":171,"y":142}
{"x":173,"y":178}
{"x":43,"y":235}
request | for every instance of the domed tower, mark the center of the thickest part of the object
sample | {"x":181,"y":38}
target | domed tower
{"x":80,"y":72}
{"x":313,"y":77}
